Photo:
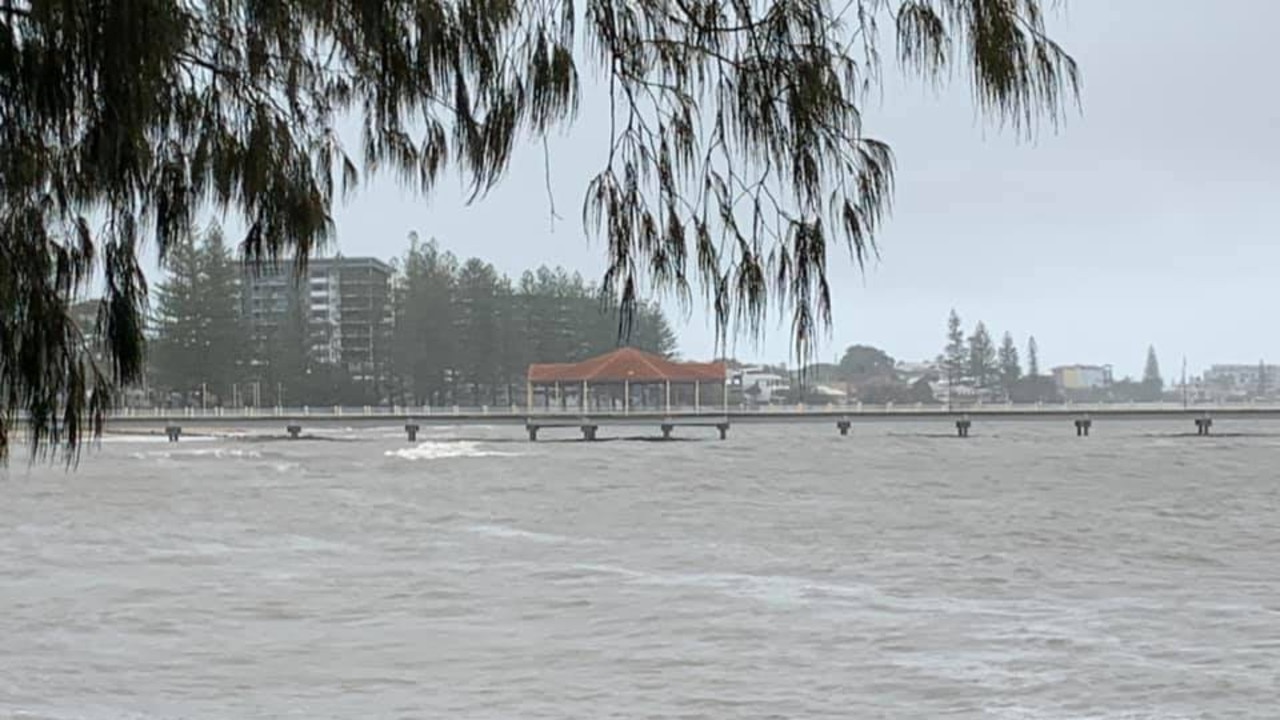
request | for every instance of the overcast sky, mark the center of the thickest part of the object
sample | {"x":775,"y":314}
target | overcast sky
{"x":1148,"y":219}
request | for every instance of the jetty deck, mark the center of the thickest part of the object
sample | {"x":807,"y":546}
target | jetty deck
{"x":1076,"y":418}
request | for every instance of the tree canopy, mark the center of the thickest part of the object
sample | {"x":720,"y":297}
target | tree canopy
{"x":861,"y":362}
{"x":737,"y":159}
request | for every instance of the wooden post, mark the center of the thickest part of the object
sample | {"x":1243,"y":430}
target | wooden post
{"x":626,"y":397}
{"x":697,"y":397}
{"x":528,"y":385}
{"x":668,"y":384}
{"x":584,"y":397}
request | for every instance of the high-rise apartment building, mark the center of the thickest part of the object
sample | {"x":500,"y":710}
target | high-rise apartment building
{"x":345,"y":304}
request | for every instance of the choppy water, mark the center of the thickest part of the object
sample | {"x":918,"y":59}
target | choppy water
{"x":785,"y":573}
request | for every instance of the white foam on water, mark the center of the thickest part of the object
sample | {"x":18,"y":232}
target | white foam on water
{"x":214,"y":453}
{"x":446,"y":450}
{"x":510,"y":533}
{"x":46,"y":711}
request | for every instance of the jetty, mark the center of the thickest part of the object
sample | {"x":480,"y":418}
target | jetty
{"x":1076,"y":420}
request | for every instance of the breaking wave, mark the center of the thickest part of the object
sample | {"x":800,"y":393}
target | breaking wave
{"x":446,"y":450}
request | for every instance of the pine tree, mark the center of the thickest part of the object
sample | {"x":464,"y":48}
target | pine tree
{"x":651,"y":331}
{"x":984,"y":369}
{"x":956,"y":354}
{"x":1033,"y":358}
{"x":477,"y":327}
{"x":1010,"y":369}
{"x":424,"y":347}
{"x":1152,"y":383}
{"x":224,"y":333}
{"x":178,"y":353}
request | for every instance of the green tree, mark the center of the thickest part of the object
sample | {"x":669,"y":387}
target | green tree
{"x":224,"y":333}
{"x":1151,"y":380}
{"x":424,"y":347}
{"x":984,"y":369}
{"x":955,"y":358}
{"x":178,"y":352}
{"x":165,"y":108}
{"x":862,"y":362}
{"x":200,"y":341}
{"x":478,"y":329}
{"x":1010,"y":369}
{"x":652,"y":332}
{"x":1033,"y":357}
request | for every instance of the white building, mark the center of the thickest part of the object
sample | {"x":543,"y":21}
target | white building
{"x":759,"y":386}
{"x":1242,"y":381}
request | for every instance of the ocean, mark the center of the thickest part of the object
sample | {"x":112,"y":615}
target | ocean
{"x":786,"y":572}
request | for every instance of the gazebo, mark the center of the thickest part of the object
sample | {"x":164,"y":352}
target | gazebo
{"x":629,"y":377}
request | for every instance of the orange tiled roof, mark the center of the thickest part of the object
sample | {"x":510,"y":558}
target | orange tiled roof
{"x":627,"y":364}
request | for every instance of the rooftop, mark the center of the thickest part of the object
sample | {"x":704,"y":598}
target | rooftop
{"x":627,"y":365}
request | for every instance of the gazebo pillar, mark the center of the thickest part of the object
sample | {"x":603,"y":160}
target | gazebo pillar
{"x":626,"y":397}
{"x":584,"y":397}
{"x":668,"y":385}
{"x":528,"y":387}
{"x":697,"y":397}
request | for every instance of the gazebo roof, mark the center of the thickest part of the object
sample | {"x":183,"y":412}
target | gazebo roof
{"x":627,"y":364}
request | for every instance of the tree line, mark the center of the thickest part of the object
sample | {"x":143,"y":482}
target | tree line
{"x":466,"y":333}
{"x":972,"y":366}
{"x":976,"y":364}
{"x":457,"y":332}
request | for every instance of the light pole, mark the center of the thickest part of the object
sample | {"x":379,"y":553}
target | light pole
{"x":1184,"y":382}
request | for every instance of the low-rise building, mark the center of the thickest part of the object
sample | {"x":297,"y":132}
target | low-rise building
{"x":1242,"y":381}
{"x":1070,"y":378}
{"x":759,"y":386}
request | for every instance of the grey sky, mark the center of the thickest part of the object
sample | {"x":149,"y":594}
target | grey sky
{"x":1147,"y":219}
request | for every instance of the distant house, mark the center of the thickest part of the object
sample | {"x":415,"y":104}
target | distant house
{"x":932,"y":373}
{"x":1070,"y":378}
{"x":760,"y":386}
{"x":827,"y":394}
